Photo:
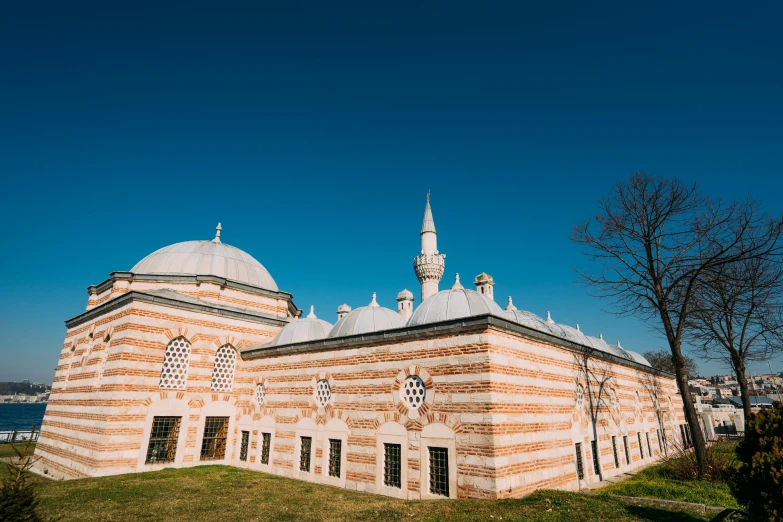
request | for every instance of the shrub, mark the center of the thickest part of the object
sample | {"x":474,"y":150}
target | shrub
{"x":757,"y":479}
{"x":18,"y":500}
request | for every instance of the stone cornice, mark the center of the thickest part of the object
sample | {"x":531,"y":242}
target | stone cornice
{"x":194,"y":279}
{"x":427,"y":331}
{"x":213,"y":309}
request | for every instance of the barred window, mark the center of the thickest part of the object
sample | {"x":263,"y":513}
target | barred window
{"x":641,"y":448}
{"x":625,"y":447}
{"x":335,"y":454}
{"x":392,"y":465}
{"x":594,"y":449}
{"x":304,"y":454}
{"x":174,"y":373}
{"x":614,"y":452}
{"x":266,"y":443}
{"x":439,"y":471}
{"x":649,"y":448}
{"x":163,"y":439}
{"x":223,"y":373}
{"x":244,"y":445}
{"x":580,"y":468}
{"x":213,"y":445}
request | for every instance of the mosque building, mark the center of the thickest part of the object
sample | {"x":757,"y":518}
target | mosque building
{"x":195,"y":356}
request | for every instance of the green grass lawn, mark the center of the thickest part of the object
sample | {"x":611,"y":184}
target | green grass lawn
{"x":226,"y":493}
{"x":7,"y":451}
{"x":659,"y":482}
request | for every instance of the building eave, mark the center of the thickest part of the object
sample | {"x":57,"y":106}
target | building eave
{"x":129,"y":297}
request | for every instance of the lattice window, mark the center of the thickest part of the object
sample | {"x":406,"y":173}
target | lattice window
{"x":637,"y":404}
{"x":612,"y":398}
{"x":580,"y":468}
{"x":243,"y":446}
{"x":641,"y":448}
{"x":580,"y":396}
{"x":413,"y":392}
{"x":614,"y":452}
{"x":266,"y":443}
{"x":323,"y":392}
{"x":439,"y":471}
{"x":304,"y":454}
{"x":163,"y":439}
{"x":223,"y":373}
{"x":594,"y":449}
{"x":335,"y":456}
{"x":260,"y":394}
{"x":392,"y":465}
{"x":103,"y":360}
{"x":213,"y":445}
{"x":175,"y":364}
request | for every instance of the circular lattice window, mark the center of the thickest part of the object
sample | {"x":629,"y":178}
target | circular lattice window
{"x":260,"y":394}
{"x":175,"y":364}
{"x":413,"y":392}
{"x":223,"y":373}
{"x":323,"y":392}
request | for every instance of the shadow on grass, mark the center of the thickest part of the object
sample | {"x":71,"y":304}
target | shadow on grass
{"x":655,"y":514}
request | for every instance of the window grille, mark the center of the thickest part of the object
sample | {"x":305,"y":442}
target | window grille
{"x":594,"y":448}
{"x":163,"y":439}
{"x":649,"y":448}
{"x":260,"y":394}
{"x":266,"y":443}
{"x":174,"y":373}
{"x":244,"y":445}
{"x":304,"y":454}
{"x":223,"y":373}
{"x":392,"y":465}
{"x":580,"y":469}
{"x":213,"y":445}
{"x":625,"y":447}
{"x":413,"y":392}
{"x":323,"y":392}
{"x":335,"y":454}
{"x":439,"y":471}
{"x":614,"y":452}
{"x":641,"y":448}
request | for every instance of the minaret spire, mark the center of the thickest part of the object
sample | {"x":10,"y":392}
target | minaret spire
{"x":430,"y":263}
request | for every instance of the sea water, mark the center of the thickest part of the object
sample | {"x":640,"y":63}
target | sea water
{"x":21,"y":416}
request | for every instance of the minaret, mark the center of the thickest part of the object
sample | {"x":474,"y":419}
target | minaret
{"x":429,"y":264}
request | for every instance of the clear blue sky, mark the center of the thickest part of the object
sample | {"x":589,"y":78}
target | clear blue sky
{"x":313,"y":134}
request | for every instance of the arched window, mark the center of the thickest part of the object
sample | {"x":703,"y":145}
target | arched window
{"x":175,"y":364}
{"x":260,"y":394}
{"x":580,"y":396}
{"x":223,"y":373}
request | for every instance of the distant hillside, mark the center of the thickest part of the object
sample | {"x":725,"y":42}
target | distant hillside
{"x":22,"y":388}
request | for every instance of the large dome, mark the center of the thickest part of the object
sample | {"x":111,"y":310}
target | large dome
{"x":454,"y":303}
{"x":207,"y":258}
{"x":308,"y":329}
{"x":365,"y":319}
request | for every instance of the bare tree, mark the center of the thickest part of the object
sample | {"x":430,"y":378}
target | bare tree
{"x":652,"y":240}
{"x":737,"y":315}
{"x":599,"y":383}
{"x":652,"y":388}
{"x":662,"y":360}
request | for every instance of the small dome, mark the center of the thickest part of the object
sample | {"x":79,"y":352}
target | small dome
{"x":302,"y":330}
{"x":207,"y":258}
{"x":455,"y":303}
{"x":599,"y":344}
{"x":406,"y":295}
{"x":528,"y":319}
{"x":370,"y":318}
{"x":638,"y":358}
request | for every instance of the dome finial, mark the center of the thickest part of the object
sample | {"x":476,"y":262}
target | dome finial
{"x":311,"y":315}
{"x":549,"y":317}
{"x":510,"y":304}
{"x":601,"y":336}
{"x":618,"y":344}
{"x":457,"y":285}
{"x":373,"y":303}
{"x":217,"y":234}
{"x":577,"y":327}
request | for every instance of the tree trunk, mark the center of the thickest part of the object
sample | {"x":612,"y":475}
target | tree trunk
{"x":691,"y":415}
{"x":739,"y":371}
